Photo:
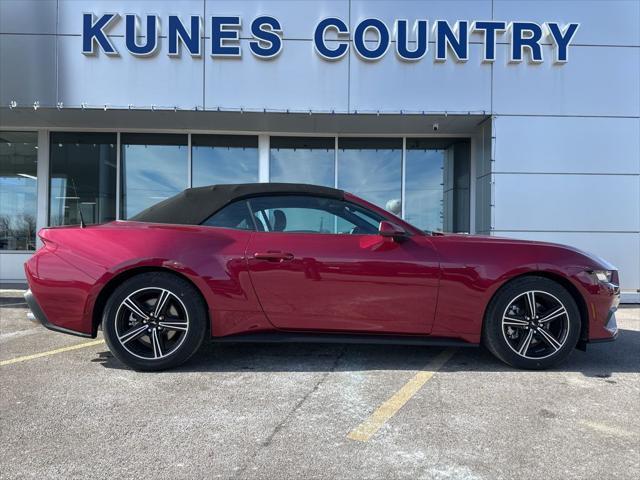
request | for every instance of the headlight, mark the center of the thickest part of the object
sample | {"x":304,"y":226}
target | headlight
{"x":603,"y":276}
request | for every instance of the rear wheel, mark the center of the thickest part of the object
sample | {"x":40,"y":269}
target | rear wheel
{"x":532,"y":323}
{"x":154,"y":321}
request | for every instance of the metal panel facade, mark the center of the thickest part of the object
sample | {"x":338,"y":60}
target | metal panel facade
{"x":602,"y":22}
{"x":573,"y":202}
{"x":297,"y":80}
{"x":391,"y":85}
{"x":548,"y":144}
{"x":596,"y":81}
{"x":28,"y":72}
{"x":141,"y":82}
{"x":28,"y":17}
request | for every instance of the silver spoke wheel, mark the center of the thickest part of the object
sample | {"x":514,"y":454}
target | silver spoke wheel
{"x":535,"y":324}
{"x":151,"y":323}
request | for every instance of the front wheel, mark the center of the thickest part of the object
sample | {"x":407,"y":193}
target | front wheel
{"x":154,"y":321}
{"x":532,"y":323}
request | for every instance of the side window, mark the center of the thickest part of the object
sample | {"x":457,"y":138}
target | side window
{"x":307,"y":214}
{"x":235,"y":215}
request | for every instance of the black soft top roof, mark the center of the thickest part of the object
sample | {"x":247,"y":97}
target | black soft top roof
{"x":194,"y":205}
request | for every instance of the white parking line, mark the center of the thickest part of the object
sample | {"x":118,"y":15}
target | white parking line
{"x":12,"y":304}
{"x":6,"y":337}
{"x":50,"y":352}
{"x":388,"y":409}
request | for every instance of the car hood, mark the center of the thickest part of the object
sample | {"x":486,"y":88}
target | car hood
{"x":587,"y":259}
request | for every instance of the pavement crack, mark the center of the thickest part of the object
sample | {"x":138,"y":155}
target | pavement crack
{"x":267,"y":442}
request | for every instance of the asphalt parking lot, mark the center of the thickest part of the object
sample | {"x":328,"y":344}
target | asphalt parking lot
{"x":70,"y":410}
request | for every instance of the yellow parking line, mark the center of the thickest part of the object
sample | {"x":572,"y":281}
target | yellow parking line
{"x":50,"y":352}
{"x":388,"y":409}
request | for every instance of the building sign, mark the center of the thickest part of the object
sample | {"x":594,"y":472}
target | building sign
{"x":371,"y":39}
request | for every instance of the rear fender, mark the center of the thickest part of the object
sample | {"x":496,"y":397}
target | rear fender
{"x":108,"y":282}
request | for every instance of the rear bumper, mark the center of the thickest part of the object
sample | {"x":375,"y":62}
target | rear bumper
{"x":40,"y":316}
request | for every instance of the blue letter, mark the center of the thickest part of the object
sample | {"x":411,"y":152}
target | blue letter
{"x":402,"y":36}
{"x":489,"y":29}
{"x":270,"y":37}
{"x":190,"y":40}
{"x":445,"y":35}
{"x":383,"y":39}
{"x":319,"y":43}
{"x":224,"y":29}
{"x":561,"y":40}
{"x":95,"y":31}
{"x":519,"y":41}
{"x":132,"y":30}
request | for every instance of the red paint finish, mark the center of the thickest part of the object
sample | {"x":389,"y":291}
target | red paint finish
{"x":436,"y":285}
{"x":212,"y":259}
{"x":343,"y":283}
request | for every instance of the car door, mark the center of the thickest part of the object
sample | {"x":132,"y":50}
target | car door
{"x":320,"y":264}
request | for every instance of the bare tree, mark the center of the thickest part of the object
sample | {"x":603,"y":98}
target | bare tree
{"x":29,"y":231}
{"x":5,"y":229}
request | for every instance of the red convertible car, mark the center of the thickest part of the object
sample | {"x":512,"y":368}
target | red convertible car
{"x":301,"y":263}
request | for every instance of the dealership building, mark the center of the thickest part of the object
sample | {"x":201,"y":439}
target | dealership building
{"x":489,"y":117}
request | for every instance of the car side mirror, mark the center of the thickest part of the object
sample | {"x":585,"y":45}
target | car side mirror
{"x":392,"y":231}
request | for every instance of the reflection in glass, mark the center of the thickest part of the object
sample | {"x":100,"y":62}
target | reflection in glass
{"x":308,"y":160}
{"x":371,"y":168}
{"x":456,"y":180}
{"x":154,"y":167}
{"x":220,"y":159}
{"x":235,"y":215}
{"x":424,"y":185}
{"x":18,"y":190}
{"x":83,"y":177}
{"x":307,"y":214}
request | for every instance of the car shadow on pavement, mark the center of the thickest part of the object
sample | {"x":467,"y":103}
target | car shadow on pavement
{"x":601,"y":359}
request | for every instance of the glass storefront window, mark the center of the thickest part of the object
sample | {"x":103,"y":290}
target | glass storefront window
{"x":424,"y":184}
{"x":83,"y":178}
{"x":154,"y":167}
{"x":308,"y":160}
{"x":372,"y":169}
{"x":220,"y":159}
{"x":18,"y":190}
{"x":456,"y":180}
{"x":435,"y":195}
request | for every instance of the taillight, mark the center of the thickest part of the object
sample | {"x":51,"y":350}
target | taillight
{"x":46,"y":240}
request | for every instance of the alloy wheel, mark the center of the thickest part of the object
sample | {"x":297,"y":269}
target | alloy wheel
{"x":151,"y":323}
{"x":535,"y":324}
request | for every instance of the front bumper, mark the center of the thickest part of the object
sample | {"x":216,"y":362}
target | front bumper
{"x":610,"y":326}
{"x":604,"y":326}
{"x":40,"y":316}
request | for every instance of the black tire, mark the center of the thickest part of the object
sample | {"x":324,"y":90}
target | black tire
{"x":158,"y":342}
{"x":552,"y":335}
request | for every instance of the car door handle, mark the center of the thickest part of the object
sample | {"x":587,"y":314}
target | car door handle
{"x":273,"y":256}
